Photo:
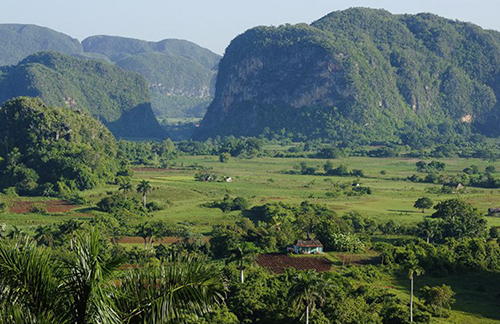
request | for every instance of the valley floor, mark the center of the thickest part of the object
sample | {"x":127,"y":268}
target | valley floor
{"x":263,"y":180}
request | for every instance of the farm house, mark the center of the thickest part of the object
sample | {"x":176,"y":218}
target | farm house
{"x":307,"y":247}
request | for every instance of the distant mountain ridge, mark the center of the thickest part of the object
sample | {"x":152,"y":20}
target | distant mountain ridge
{"x":359,"y":75}
{"x":107,"y":92}
{"x":180,"y":74}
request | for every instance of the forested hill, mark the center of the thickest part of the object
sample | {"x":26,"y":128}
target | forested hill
{"x":181,"y":74}
{"x":360,"y":75}
{"x":119,"y":98}
{"x":48,"y":151}
{"x":18,"y":41}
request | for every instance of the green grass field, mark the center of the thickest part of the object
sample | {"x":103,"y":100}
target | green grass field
{"x":262,"y":180}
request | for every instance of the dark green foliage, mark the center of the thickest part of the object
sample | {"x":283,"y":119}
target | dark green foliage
{"x":224,"y":157}
{"x":433,"y":166}
{"x":490,"y":169}
{"x":157,"y":154}
{"x":38,"y":209}
{"x":423,"y":203}
{"x":181,"y":75}
{"x":154,"y":206}
{"x":229,"y":203}
{"x":118,"y":203}
{"x":49,"y":150}
{"x":439,"y":299}
{"x":494,"y":232}
{"x":416,"y":79}
{"x":119,"y":98}
{"x":459,"y":219}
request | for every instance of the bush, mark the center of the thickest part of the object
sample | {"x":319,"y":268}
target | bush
{"x":240,"y":203}
{"x":359,"y":191}
{"x":439,"y":299}
{"x":154,"y":206}
{"x":76,"y":199}
{"x":224,"y":157}
{"x":119,"y":203}
{"x":10,"y":192}
{"x":3,"y":207}
{"x":228,"y":204}
{"x":346,"y":243}
{"x":38,"y":209}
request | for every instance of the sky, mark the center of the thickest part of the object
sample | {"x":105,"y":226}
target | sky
{"x":214,"y":23}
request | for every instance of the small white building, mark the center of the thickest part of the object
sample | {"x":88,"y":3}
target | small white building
{"x":307,"y":247}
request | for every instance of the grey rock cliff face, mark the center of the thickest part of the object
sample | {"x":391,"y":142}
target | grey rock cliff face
{"x":362,"y":69}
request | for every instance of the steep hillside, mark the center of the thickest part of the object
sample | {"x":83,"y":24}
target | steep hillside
{"x":47,"y":150}
{"x":359,"y":75}
{"x":181,"y":75}
{"x":18,"y":41}
{"x":106,"y":91}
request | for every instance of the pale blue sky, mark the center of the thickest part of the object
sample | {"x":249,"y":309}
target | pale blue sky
{"x":213,"y":23}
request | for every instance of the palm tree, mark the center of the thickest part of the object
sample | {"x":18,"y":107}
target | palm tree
{"x":36,"y":289}
{"x":307,"y":290}
{"x":243,"y":255}
{"x":411,"y":265}
{"x":28,"y":284}
{"x":126,"y":187}
{"x":427,"y":229}
{"x":86,"y":281}
{"x":145,"y":188}
{"x":144,"y":230}
{"x":167,"y":293}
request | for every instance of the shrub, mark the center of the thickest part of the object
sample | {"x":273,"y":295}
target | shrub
{"x":118,"y":203}
{"x":10,"y":192}
{"x":439,"y":299}
{"x":38,"y":209}
{"x":346,"y":243}
{"x":224,"y":157}
{"x":228,"y":204}
{"x":3,"y":207}
{"x":154,"y":206}
{"x":76,"y":199}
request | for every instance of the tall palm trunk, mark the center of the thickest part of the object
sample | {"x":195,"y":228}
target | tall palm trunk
{"x":411,"y":300}
{"x":144,"y":199}
{"x":242,"y":276}
{"x":307,"y":314}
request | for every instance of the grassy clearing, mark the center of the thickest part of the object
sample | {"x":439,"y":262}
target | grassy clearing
{"x":262,"y":180}
{"x":473,"y":304}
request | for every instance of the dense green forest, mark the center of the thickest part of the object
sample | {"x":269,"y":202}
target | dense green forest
{"x":360,"y":75}
{"x":117,"y":97}
{"x":50,"y":151}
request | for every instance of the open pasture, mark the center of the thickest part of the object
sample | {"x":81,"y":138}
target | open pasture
{"x":263,"y":180}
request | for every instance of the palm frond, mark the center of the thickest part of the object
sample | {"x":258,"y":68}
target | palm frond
{"x":169,"y":292}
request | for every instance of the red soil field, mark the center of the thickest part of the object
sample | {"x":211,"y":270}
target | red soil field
{"x":53,"y":206}
{"x":279,"y":262}
{"x":137,"y":239}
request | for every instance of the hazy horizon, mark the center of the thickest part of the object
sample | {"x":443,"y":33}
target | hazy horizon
{"x":214,"y":24}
